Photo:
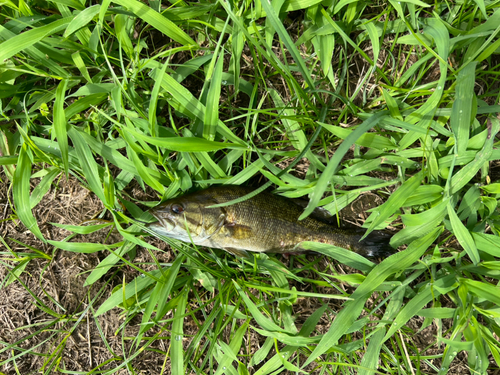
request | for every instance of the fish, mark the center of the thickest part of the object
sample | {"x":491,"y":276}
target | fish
{"x":265,"y":223}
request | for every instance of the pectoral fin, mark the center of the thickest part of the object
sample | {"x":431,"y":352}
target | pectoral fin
{"x":237,"y":252}
{"x":237,"y":231}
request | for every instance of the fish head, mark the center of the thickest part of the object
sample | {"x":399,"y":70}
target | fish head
{"x":187,"y":218}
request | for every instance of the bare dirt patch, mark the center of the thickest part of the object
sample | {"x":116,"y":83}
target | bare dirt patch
{"x":48,"y":309}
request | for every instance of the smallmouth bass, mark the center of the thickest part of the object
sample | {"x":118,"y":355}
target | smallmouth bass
{"x":264,"y":223}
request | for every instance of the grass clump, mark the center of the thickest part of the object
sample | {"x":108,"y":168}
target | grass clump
{"x":114,"y":106}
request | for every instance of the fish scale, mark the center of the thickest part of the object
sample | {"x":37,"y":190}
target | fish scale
{"x":263,"y":223}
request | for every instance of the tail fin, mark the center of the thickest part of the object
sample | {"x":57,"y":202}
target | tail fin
{"x":375,"y":245}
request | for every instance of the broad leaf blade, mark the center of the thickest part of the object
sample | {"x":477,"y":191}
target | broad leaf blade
{"x":21,"y":193}
{"x":157,"y":21}
{"x":461,"y":120}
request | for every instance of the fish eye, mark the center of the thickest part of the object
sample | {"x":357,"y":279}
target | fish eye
{"x":177,"y":209}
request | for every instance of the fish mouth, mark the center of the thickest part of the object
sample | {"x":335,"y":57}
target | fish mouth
{"x":164,"y":224}
{"x":161,"y":228}
{"x":167,"y":227}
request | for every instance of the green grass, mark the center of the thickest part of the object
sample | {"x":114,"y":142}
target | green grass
{"x":180,"y":95}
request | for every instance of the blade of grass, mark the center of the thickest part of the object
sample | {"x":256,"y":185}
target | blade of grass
{"x":154,"y":102}
{"x":463,"y":177}
{"x":483,"y":290}
{"x":81,"y":229}
{"x":186,"y":144}
{"x":331,"y":168}
{"x":419,"y":224}
{"x":488,"y":243}
{"x":176,"y":343}
{"x":232,"y":349}
{"x":158,"y":21}
{"x":159,"y":296}
{"x":265,"y":323}
{"x":43,"y":187}
{"x":237,"y":45}
{"x":422,"y":116}
{"x":426,"y":294}
{"x":82,"y":19}
{"x":371,"y":358}
{"x":294,"y":130}
{"x":343,"y":256}
{"x":145,"y":172}
{"x":463,"y":235}
{"x":80,"y":64}
{"x":60,"y":124}
{"x":131,"y":290}
{"x":460,"y":120}
{"x":88,"y":163}
{"x":277,"y":24}
{"x":348,"y":40}
{"x":122,"y":34}
{"x":370,"y":140}
{"x":394,"y":203}
{"x":117,"y":159}
{"x":374,"y":39}
{"x":213,"y":99}
{"x":277,"y":360}
{"x":192,"y":106}
{"x":27,"y":39}
{"x":83,"y":247}
{"x":21,"y":193}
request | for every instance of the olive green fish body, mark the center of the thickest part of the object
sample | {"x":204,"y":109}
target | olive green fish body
{"x":263,"y":223}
